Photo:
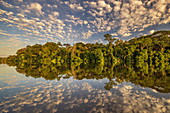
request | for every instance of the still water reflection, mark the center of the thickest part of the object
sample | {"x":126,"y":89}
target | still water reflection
{"x":82,"y":91}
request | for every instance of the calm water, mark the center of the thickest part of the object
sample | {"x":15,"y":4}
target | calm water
{"x":26,"y":94}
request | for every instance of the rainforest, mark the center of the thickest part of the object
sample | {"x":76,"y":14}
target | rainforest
{"x":143,"y":61}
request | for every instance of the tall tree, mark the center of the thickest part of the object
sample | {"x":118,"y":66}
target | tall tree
{"x":109,"y":38}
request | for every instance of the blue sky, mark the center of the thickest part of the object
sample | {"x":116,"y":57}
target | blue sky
{"x":27,"y":22}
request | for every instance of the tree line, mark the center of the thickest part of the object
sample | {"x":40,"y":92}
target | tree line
{"x":155,"y":76}
{"x":154,"y":49}
{"x":143,"y":60}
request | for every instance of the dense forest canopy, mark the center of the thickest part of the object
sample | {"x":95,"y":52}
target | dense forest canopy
{"x":152,"y":48}
{"x":143,"y":60}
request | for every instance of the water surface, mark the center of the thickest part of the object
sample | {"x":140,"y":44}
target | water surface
{"x":26,"y":94}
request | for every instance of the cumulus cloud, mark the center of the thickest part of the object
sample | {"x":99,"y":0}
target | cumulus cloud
{"x":36,"y":7}
{"x":108,"y":8}
{"x":136,"y":2}
{"x":102,"y":4}
{"x":135,"y":16}
{"x":85,"y":22}
{"x":6,"y":4}
{"x":50,"y":95}
{"x":56,"y":13}
{"x":76,"y":19}
{"x":117,"y":6}
{"x":2,"y":11}
{"x":20,"y":15}
{"x":151,"y":31}
{"x":127,"y":34}
{"x":77,"y":7}
{"x":93,"y":4}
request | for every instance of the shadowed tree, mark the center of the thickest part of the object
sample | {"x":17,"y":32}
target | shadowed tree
{"x":59,"y":44}
{"x":109,"y":38}
{"x":67,"y":45}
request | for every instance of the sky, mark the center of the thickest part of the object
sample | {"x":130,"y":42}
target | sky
{"x":29,"y":22}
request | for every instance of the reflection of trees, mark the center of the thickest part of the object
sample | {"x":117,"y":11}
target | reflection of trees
{"x":109,"y":85}
{"x":150,"y":55}
{"x":49,"y":72}
{"x":155,"y":76}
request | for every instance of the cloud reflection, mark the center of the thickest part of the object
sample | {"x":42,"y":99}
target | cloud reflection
{"x":70,"y":95}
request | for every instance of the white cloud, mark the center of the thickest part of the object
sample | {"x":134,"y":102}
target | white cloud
{"x":93,"y":4}
{"x":85,"y":22}
{"x":76,"y":7}
{"x":114,"y":34}
{"x":37,"y":8}
{"x":27,"y":11}
{"x":122,"y":17}
{"x":117,"y":5}
{"x":151,"y":31}
{"x":16,"y":19}
{"x":6,"y":4}
{"x":51,"y":17}
{"x":40,"y":23}
{"x":117,"y":8}
{"x":101,"y":13}
{"x":92,"y":13}
{"x":108,"y":28}
{"x":80,"y":8}
{"x":72,"y":6}
{"x":20,"y":15}
{"x":56,"y":13}
{"x":6,"y":20}
{"x":161,"y":7}
{"x":102,"y":4}
{"x":136,"y":2}
{"x":2,"y":11}
{"x":108,"y":8}
{"x":87,"y":34}
{"x":20,"y":0}
{"x":126,"y":34}
{"x":9,"y":13}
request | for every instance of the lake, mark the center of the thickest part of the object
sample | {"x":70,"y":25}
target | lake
{"x":83,"y":91}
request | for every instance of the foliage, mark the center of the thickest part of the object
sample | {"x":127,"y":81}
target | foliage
{"x":145,"y":61}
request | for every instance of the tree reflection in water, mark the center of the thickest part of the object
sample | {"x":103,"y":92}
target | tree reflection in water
{"x":154,"y":76}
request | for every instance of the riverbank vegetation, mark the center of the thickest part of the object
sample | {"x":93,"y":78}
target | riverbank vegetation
{"x":154,"y":49}
{"x":143,"y":61}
